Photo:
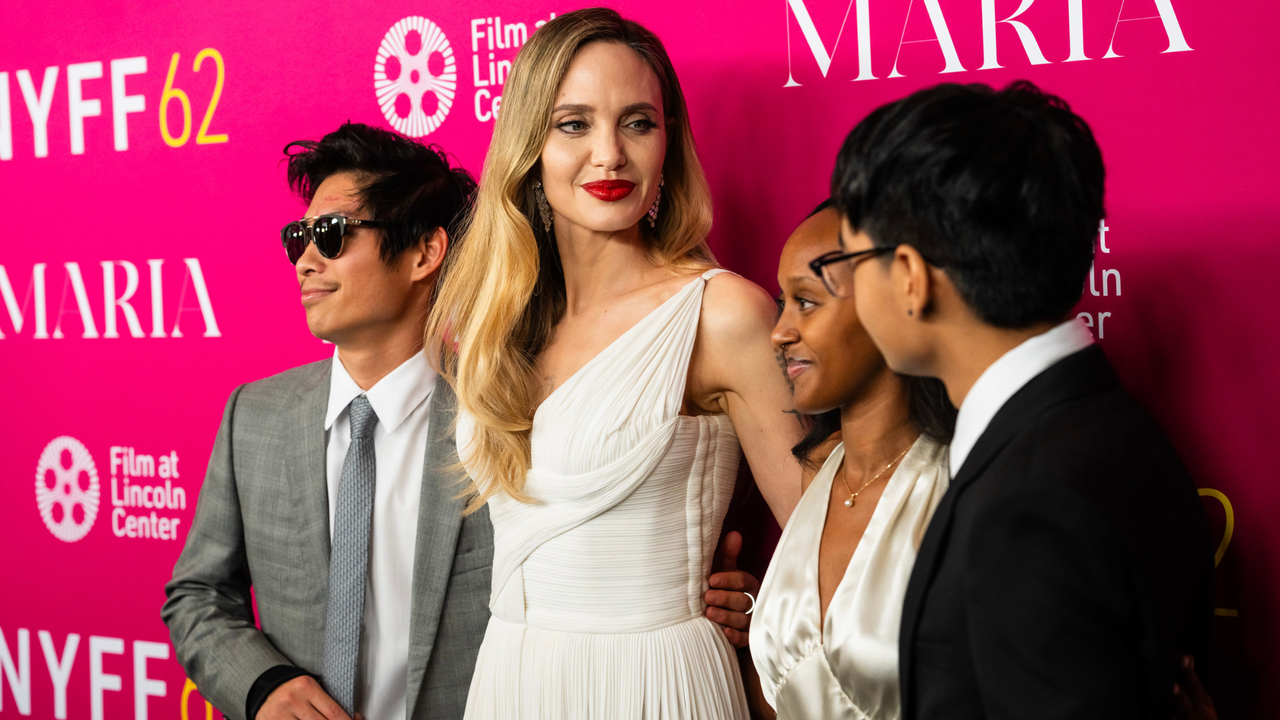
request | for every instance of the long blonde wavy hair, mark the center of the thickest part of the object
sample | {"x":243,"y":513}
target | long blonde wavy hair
{"x":503,"y":289}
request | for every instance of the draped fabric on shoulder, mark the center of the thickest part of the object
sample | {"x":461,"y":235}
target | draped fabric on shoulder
{"x":598,"y":583}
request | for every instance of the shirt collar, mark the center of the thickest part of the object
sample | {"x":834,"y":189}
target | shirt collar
{"x":393,"y":398}
{"x":1006,"y":376}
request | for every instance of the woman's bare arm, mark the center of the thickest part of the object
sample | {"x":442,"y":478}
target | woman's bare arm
{"x":735,"y":370}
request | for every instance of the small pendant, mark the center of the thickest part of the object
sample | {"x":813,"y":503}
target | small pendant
{"x":848,"y":503}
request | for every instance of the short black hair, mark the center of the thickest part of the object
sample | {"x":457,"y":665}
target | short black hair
{"x":1003,"y":190}
{"x":409,"y":186}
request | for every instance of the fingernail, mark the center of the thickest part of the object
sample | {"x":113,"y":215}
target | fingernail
{"x":1177,"y":690}
{"x":1186,"y":661}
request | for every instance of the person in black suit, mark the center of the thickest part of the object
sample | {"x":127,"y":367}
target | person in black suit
{"x":1067,"y":572}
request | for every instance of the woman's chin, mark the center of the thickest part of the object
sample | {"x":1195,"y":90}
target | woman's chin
{"x":608,"y":220}
{"x":811,"y":403}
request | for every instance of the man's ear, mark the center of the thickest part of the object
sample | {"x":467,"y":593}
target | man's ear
{"x":430,"y":254}
{"x":913,"y":280}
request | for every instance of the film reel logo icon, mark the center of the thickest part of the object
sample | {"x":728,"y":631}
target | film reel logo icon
{"x":415,"y":76}
{"x":67,"y":490}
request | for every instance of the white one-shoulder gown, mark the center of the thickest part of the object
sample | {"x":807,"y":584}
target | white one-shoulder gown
{"x":597,"y":586}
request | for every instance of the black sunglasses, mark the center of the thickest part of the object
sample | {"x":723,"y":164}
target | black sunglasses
{"x":326,"y":231}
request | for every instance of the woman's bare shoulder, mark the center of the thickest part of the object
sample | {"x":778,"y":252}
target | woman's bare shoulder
{"x":736,"y":310}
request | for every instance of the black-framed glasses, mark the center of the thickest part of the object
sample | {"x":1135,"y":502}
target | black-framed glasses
{"x":837,"y":273}
{"x":326,"y":231}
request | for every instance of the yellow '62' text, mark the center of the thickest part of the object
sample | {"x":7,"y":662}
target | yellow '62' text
{"x":1228,"y":529}
{"x":81,"y":92}
{"x":171,"y":93}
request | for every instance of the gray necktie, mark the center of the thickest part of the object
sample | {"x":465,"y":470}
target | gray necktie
{"x":349,"y":561}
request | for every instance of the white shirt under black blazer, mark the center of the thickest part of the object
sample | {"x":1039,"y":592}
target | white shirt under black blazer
{"x":1068,"y":566}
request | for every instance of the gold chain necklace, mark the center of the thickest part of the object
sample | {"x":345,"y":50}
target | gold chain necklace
{"x":853,"y":494}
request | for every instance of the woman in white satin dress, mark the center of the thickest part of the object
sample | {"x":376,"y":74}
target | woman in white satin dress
{"x":824,"y":635}
{"x":605,"y":371}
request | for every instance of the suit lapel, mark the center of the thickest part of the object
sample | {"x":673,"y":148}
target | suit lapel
{"x":304,"y":470}
{"x":439,"y":519}
{"x":1081,"y":373}
{"x":308,"y":473}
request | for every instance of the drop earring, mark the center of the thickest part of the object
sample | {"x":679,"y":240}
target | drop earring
{"x":653,"y":211}
{"x":544,"y":209}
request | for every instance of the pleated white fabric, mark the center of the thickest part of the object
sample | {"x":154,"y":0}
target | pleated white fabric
{"x":845,"y":667}
{"x":597,"y":585}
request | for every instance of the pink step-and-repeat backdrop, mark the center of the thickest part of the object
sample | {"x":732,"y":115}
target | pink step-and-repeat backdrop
{"x":141,"y":275}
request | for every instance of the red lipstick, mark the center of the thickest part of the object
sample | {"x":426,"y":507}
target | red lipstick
{"x":610,"y":190}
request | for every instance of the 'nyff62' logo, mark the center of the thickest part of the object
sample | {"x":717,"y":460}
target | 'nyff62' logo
{"x":415,"y":76}
{"x":67,"y":488}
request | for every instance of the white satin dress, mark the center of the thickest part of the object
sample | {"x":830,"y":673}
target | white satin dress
{"x":597,"y":587}
{"x":847,"y":666}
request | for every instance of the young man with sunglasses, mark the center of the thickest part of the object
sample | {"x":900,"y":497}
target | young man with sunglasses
{"x":330,"y":491}
{"x":1067,"y":572}
{"x":333,"y":489}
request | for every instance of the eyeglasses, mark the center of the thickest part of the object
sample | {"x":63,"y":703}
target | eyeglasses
{"x":837,"y":274}
{"x":326,"y":231}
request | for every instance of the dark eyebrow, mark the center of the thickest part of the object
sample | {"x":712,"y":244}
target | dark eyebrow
{"x":636,"y":107}
{"x":581,"y":108}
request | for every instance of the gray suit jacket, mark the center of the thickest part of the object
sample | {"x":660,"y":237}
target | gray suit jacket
{"x":262,"y":521}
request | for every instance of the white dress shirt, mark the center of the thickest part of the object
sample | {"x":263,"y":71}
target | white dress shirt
{"x":1006,"y":376}
{"x":401,"y":401}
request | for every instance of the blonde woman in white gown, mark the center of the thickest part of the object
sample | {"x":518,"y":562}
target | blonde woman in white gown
{"x":606,"y":371}
{"x":824,"y":638}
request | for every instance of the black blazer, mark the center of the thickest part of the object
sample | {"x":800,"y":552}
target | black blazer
{"x":1067,"y":568}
